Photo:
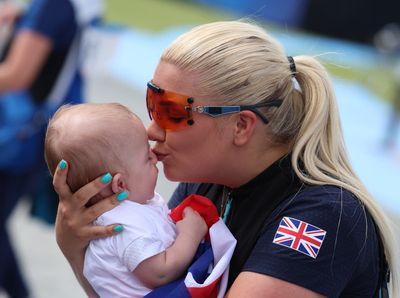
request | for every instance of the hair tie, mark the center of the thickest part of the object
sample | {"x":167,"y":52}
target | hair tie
{"x":292,"y":65}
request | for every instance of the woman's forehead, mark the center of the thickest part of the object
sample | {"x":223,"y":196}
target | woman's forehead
{"x":169,"y":77}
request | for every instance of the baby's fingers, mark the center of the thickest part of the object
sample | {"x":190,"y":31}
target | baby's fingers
{"x":188,"y":211}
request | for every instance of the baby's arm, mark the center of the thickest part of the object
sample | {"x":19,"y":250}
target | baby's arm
{"x":171,"y":263}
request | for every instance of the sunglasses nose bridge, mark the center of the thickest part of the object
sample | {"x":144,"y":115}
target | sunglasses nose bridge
{"x":152,"y":102}
{"x":148,"y":106}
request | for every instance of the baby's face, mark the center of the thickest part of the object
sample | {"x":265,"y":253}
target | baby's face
{"x":141,"y":166}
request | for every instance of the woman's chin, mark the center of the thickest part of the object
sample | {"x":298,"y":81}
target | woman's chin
{"x":172,"y":175}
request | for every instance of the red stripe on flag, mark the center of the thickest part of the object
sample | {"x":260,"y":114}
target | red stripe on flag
{"x":210,"y":291}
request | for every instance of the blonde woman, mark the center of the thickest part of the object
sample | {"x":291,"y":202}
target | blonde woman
{"x":259,"y":133}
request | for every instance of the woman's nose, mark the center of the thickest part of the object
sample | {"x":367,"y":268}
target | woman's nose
{"x":155,"y":133}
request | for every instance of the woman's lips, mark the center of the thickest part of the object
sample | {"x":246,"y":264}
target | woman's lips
{"x":160,"y":156}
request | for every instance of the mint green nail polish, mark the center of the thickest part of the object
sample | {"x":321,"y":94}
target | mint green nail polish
{"x":122,"y":195}
{"x":106,"y":178}
{"x":118,"y":228}
{"x":62,"y":164}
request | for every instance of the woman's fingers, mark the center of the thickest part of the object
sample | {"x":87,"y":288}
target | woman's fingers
{"x":74,"y":226}
{"x":94,"y":211}
{"x":95,"y":232}
{"x":60,"y":180}
{"x":86,"y":192}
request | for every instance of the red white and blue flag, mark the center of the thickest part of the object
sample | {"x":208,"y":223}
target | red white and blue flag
{"x":208,"y":274}
{"x":300,"y":236}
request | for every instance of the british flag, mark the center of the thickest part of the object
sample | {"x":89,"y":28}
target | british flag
{"x":300,"y":236}
{"x":208,"y":274}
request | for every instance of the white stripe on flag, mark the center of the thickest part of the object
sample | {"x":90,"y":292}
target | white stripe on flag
{"x":223,"y":244}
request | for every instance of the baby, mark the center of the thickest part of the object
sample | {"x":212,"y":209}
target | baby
{"x":108,"y":139}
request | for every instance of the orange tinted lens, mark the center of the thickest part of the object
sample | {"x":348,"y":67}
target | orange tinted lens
{"x":167,"y":109}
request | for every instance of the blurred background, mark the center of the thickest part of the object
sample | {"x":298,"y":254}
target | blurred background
{"x":357,"y":40}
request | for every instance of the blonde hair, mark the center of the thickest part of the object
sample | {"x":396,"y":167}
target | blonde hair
{"x":94,"y":147}
{"x":238,"y":63}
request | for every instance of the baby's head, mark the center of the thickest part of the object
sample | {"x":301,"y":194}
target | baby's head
{"x":98,"y":138}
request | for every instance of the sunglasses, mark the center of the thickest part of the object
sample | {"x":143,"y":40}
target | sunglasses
{"x":173,"y":111}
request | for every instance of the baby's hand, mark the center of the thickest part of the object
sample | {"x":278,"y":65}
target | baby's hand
{"x":192,"y":225}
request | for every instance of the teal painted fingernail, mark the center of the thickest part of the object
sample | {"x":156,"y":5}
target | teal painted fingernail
{"x":62,"y":164}
{"x":106,"y":178}
{"x":122,"y":195}
{"x":118,"y":228}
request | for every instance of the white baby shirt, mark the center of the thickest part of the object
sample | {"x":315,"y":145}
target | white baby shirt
{"x":109,"y":262}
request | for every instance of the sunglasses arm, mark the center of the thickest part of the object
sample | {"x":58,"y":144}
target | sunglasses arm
{"x":216,"y":111}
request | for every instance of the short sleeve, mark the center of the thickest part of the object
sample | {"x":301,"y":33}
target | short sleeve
{"x":147,"y":231}
{"x":141,"y":249}
{"x":54,"y":19}
{"x":321,"y":240}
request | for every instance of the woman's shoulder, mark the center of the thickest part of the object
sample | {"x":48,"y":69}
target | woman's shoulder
{"x":331,"y":192}
{"x":323,"y":198}
{"x":335,"y":210}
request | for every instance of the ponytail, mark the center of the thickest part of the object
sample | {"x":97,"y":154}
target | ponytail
{"x":319,"y":156}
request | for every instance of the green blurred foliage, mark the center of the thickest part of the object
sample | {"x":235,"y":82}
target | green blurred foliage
{"x":158,"y":14}
{"x":379,"y":80}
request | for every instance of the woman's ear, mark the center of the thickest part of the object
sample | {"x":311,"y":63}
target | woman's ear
{"x":245,"y":125}
{"x":118,"y":183}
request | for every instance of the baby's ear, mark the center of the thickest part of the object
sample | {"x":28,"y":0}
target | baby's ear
{"x":118,"y":183}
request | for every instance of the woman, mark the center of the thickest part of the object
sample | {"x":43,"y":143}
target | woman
{"x":261,"y":132}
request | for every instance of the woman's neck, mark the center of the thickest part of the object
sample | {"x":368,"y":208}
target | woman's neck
{"x":242,"y":170}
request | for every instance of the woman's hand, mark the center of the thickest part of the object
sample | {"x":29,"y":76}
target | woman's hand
{"x":74,"y":227}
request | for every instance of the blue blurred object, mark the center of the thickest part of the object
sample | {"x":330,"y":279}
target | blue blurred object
{"x":20,"y":124}
{"x":287,"y":12}
{"x":340,"y":18}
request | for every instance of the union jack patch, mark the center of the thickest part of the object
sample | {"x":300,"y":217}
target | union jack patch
{"x":300,"y":236}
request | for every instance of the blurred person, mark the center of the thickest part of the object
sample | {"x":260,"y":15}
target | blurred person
{"x":9,"y":12}
{"x":387,"y":41}
{"x":151,"y":251}
{"x":259,"y":133}
{"x":39,"y":69}
{"x":393,"y":124}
